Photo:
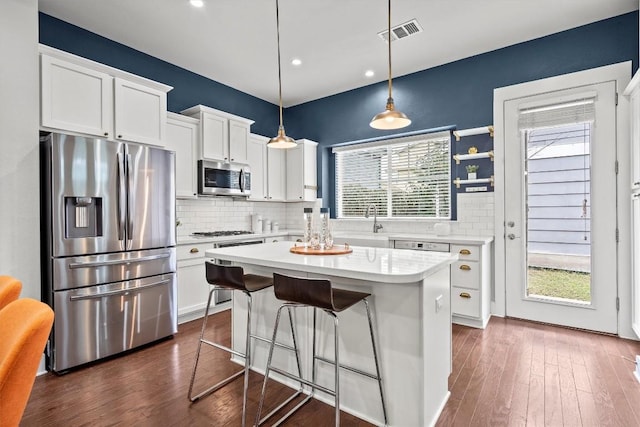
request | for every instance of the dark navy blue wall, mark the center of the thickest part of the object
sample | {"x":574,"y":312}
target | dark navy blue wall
{"x":460,"y":93}
{"x":189,"y":89}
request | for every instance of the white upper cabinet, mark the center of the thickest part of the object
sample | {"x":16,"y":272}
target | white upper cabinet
{"x":268,"y":170}
{"x":223,"y":136}
{"x":238,"y":138}
{"x":140,"y":112}
{"x":633,"y":92}
{"x":276,"y":174}
{"x":82,"y":96}
{"x":302,"y":181}
{"x":182,"y":137}
{"x":75,"y":98}
{"x":257,"y":160}
{"x":215,"y":137}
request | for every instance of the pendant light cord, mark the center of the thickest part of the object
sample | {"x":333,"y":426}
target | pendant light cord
{"x":389,"y":45}
{"x":279,"y":70}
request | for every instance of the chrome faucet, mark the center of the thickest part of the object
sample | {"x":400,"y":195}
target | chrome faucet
{"x":376,"y":226}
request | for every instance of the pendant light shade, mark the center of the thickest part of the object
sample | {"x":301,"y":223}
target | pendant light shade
{"x":390,"y":118}
{"x":281,"y":140}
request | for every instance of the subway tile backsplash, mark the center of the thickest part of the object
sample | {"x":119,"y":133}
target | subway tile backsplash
{"x":475,"y":216}
{"x":226,"y":213}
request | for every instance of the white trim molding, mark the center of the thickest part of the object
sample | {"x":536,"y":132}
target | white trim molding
{"x":621,"y":74}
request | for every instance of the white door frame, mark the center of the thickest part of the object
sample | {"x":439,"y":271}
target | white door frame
{"x":621,"y":73}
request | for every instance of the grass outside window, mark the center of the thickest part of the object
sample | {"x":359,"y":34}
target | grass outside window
{"x":566,"y":284}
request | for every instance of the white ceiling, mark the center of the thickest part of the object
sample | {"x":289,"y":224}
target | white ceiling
{"x":234,"y":41}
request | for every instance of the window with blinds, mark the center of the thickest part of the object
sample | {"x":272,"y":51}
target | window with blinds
{"x":405,"y":177}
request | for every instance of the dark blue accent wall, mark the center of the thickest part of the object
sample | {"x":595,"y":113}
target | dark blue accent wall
{"x":189,"y":88}
{"x":460,"y":93}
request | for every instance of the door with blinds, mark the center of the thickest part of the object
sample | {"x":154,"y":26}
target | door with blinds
{"x":560,"y":207}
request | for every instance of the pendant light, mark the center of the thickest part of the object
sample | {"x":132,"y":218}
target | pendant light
{"x":282,"y":140}
{"x":390,"y":118}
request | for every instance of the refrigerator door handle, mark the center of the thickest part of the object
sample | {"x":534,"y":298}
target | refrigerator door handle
{"x":130,"y":202}
{"x":118,"y":292}
{"x":121,"y":192}
{"x":242,"y":180}
{"x":117,"y":261}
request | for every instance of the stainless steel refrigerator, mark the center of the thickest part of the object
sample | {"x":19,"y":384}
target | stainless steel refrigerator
{"x":108,"y":246}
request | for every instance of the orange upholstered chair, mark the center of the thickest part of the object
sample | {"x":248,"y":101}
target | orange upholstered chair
{"x":10,"y":288}
{"x":24,"y":328}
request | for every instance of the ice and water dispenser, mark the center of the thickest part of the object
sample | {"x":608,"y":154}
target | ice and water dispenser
{"x":83,"y":217}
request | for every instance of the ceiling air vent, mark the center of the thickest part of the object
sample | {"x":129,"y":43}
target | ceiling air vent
{"x":402,"y":31}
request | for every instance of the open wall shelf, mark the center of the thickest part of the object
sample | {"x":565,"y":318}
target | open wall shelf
{"x":473,"y":147}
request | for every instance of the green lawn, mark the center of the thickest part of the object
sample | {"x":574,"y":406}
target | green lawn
{"x":559,"y":283}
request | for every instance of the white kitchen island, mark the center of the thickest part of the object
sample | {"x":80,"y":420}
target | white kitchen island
{"x":410,"y":301}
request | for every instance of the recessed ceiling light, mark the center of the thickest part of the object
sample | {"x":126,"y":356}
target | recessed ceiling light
{"x":197,"y":3}
{"x":296,"y":61}
{"x":369,"y":73}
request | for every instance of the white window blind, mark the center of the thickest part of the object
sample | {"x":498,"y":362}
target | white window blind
{"x":404,"y":178}
{"x":562,"y":112}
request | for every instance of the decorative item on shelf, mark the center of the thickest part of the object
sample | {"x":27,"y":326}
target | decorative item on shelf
{"x":281,"y":140}
{"x":390,"y":118}
{"x":475,"y":131}
{"x":472,"y":150}
{"x":471,"y":171}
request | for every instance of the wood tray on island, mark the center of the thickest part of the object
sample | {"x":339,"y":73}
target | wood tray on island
{"x":335,"y":250}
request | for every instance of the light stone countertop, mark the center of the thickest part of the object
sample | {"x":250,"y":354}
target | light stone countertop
{"x":452,"y":239}
{"x":369,"y":264}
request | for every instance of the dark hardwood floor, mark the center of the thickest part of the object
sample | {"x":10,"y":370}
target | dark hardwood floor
{"x":513,"y":373}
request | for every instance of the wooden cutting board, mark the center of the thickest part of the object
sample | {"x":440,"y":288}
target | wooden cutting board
{"x":335,"y":250}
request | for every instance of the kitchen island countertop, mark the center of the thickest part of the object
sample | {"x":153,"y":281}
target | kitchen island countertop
{"x":411,"y":304}
{"x":371,"y":264}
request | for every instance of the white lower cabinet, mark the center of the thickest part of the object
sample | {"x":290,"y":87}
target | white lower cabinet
{"x":470,"y":285}
{"x":193,"y":289}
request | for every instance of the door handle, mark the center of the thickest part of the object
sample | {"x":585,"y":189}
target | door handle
{"x":511,"y":236}
{"x":511,"y":224}
{"x":107,"y":263}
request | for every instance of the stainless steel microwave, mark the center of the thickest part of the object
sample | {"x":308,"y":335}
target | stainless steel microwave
{"x":223,"y":179}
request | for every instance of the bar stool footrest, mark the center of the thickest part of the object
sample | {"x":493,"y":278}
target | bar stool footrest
{"x":282,"y":405}
{"x":216,"y":386}
{"x":221,"y":347}
{"x":349,"y":368}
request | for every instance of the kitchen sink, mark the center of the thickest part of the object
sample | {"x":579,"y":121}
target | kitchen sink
{"x":361,"y":238}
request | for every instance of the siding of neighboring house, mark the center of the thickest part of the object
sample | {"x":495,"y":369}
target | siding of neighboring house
{"x":556,"y":192}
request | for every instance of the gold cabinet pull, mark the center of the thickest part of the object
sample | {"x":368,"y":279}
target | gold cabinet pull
{"x":465,"y":267}
{"x":194,"y":250}
{"x":465,"y":295}
{"x":465,"y":252}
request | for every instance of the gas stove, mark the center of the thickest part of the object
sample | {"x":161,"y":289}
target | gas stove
{"x":220,"y":233}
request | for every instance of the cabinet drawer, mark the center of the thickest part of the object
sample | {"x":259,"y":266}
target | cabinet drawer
{"x":465,"y":274}
{"x":465,"y":302}
{"x":466,"y":252}
{"x":185,"y":252}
